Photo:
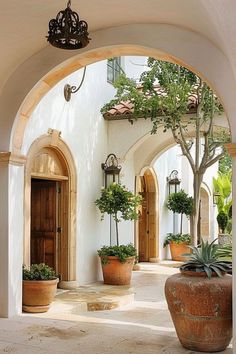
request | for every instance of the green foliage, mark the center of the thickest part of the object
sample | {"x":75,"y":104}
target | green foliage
{"x":222,"y":219}
{"x":223,"y":186}
{"x":122,"y":252}
{"x":180,"y":203}
{"x":225,"y":164}
{"x":177,"y":238}
{"x":225,"y":252}
{"x":38,"y":272}
{"x":119,"y":202}
{"x":205,"y":258}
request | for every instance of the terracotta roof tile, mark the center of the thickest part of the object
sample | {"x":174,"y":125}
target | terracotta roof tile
{"x":126,"y":108}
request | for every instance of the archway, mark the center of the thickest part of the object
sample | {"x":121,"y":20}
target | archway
{"x":173,"y":44}
{"x":50,"y":183}
{"x":204,"y":215}
{"x":147,"y":234}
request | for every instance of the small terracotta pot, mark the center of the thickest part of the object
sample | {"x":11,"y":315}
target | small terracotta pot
{"x":38,"y":294}
{"x":201,"y":310}
{"x":177,"y":249}
{"x":117,"y":273}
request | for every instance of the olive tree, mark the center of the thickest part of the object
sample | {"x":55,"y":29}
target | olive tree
{"x":167,"y":107}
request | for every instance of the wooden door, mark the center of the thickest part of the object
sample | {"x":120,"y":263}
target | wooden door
{"x":143,"y":230}
{"x":43,"y":222}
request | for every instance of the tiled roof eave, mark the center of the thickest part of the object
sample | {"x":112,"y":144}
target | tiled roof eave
{"x":130,"y":117}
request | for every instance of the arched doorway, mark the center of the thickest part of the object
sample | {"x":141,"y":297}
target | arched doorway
{"x":147,"y":225}
{"x":204,"y":216}
{"x":50,"y":206}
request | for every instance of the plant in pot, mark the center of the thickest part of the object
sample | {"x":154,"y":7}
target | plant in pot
{"x":223,"y":220}
{"x":117,"y":261}
{"x":39,"y":287}
{"x":182,"y":204}
{"x":223,"y":191}
{"x":200,"y":300}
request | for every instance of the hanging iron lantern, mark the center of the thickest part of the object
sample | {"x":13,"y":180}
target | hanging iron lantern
{"x":112,"y":169}
{"x":173,"y":182}
{"x":67,"y":31}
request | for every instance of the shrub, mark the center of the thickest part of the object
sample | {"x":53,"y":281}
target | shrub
{"x":38,"y":272}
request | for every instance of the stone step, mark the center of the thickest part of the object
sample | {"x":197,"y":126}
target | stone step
{"x":93,"y":297}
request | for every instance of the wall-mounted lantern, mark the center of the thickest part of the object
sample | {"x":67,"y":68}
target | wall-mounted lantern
{"x":111,"y":169}
{"x":173,"y":182}
{"x":216,"y":196}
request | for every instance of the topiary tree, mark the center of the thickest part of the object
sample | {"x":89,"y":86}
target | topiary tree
{"x":182,"y":204}
{"x":120,"y":203}
{"x":222,"y":219}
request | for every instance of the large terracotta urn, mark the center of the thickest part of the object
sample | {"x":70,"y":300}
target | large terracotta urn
{"x":38,"y":294}
{"x":177,"y":249}
{"x":201,"y":310}
{"x":115,"y":272}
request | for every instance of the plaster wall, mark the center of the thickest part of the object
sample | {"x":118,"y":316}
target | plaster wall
{"x":172,"y":159}
{"x":85,"y":132}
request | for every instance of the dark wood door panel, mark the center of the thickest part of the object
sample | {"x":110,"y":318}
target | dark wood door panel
{"x":43,"y":222}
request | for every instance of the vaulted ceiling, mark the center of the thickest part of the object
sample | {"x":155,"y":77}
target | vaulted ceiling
{"x":202,"y":31}
{"x":24,"y":23}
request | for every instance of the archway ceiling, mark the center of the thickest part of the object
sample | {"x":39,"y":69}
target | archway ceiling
{"x":24,"y":24}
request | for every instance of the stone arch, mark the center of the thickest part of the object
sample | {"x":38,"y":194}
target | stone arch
{"x":204,"y":219}
{"x":172,"y":43}
{"x":49,"y":158}
{"x":147,"y":228}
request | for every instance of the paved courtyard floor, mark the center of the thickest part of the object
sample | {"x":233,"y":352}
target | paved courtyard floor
{"x":142,"y":325}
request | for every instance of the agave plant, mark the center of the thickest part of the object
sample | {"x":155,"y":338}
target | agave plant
{"x":225,"y":252}
{"x":205,"y":258}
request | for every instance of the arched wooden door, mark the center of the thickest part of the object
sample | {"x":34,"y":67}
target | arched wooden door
{"x":50,"y":206}
{"x":147,"y":228}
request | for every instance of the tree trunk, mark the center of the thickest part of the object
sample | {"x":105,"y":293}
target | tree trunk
{"x":197,"y":181}
{"x":117,"y":235}
{"x":181,"y":223}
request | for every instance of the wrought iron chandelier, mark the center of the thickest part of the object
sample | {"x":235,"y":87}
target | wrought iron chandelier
{"x":67,"y":31}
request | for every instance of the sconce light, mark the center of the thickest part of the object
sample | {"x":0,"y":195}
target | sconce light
{"x":216,"y":196}
{"x":111,"y":169}
{"x":173,"y":182}
{"x":67,"y":31}
{"x":68,"y":90}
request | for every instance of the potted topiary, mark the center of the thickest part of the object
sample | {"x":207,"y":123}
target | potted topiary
{"x":222,"y":220}
{"x":178,"y":245}
{"x":182,"y":204}
{"x":117,"y":261}
{"x":200,"y":300}
{"x":39,"y":287}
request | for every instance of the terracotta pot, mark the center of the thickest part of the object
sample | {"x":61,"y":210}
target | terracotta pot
{"x":201,"y":310}
{"x":117,"y":273}
{"x":177,"y":249}
{"x":38,"y":294}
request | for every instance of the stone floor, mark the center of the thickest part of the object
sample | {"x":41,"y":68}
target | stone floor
{"x":142,"y":326}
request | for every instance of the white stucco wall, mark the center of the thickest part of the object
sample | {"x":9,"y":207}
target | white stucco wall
{"x":85,"y":132}
{"x":170,"y":160}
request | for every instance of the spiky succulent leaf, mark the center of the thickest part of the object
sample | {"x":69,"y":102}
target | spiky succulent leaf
{"x":205,"y":258}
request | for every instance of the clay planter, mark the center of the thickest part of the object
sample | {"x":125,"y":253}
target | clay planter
{"x":177,"y":249}
{"x":117,"y":273}
{"x":38,"y":294}
{"x":201,"y":310}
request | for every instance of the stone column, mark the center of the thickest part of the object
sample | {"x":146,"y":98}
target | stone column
{"x":11,"y":233}
{"x":231,"y":148}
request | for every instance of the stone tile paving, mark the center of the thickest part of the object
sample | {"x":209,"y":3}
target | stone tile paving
{"x":143,"y":327}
